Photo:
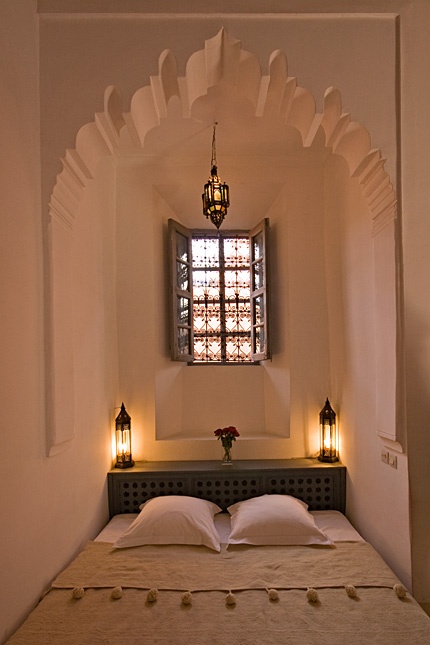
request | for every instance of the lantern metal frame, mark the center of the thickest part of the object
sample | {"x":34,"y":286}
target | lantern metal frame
{"x":329,"y":442}
{"x":123,"y":439}
{"x":216,"y":194}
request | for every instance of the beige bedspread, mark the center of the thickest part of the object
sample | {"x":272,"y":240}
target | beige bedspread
{"x":374,"y":615}
{"x":189,"y":568}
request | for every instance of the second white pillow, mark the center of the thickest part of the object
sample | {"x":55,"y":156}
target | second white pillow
{"x":274,"y":520}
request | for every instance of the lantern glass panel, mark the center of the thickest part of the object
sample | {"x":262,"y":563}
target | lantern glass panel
{"x":123,"y":442}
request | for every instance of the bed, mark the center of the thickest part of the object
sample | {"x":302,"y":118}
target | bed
{"x":247,"y":563}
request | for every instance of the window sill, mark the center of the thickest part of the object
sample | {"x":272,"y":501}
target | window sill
{"x":226,"y":364}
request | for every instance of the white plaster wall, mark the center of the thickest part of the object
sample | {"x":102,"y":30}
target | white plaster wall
{"x":49,"y":507}
{"x":415,"y":198}
{"x":377,"y":494}
{"x":23,"y":441}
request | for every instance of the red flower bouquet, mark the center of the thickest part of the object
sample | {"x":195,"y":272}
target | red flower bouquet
{"x":227,"y":436}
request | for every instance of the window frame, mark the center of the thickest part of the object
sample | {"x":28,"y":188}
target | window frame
{"x":258,"y":267}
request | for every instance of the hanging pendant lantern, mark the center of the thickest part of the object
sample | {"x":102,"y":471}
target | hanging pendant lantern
{"x":328,"y":434}
{"x":123,"y":439}
{"x":215,"y":196}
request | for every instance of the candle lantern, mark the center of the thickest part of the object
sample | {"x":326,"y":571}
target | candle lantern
{"x":123,"y":439}
{"x":328,"y":434}
{"x":216,"y":198}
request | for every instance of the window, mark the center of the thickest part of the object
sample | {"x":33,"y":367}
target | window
{"x":219,"y":295}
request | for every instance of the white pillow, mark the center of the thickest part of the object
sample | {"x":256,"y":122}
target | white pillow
{"x":174,"y":519}
{"x":274,"y":520}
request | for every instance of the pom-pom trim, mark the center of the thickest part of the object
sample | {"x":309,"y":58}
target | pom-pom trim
{"x":230,"y":599}
{"x":400,"y":590}
{"x":312,"y":595}
{"x":78,"y":593}
{"x":187,"y":598}
{"x":116,"y":593}
{"x":152,"y":595}
{"x":351,"y":591}
{"x":273,"y":594}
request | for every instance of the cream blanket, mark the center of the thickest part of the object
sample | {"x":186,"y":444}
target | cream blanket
{"x":375,"y":616}
{"x":192,"y":568}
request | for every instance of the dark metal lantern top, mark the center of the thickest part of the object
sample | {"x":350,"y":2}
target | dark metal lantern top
{"x":327,"y":413}
{"x":123,"y":417}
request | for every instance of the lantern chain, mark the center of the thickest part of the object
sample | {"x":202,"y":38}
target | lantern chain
{"x":213,"y":160}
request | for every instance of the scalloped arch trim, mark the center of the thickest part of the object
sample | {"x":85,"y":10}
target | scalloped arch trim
{"x":220,"y":75}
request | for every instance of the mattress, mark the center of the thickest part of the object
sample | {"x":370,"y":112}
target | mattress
{"x":333,"y":523}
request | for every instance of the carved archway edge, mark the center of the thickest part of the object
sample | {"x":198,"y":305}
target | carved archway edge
{"x":222,"y":63}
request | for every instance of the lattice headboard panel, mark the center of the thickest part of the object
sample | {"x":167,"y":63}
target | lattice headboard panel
{"x":322,"y":488}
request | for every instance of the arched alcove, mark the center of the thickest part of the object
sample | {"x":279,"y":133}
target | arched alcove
{"x":267,"y":118}
{"x":223,"y":83}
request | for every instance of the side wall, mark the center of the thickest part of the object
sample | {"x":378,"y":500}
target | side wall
{"x":415,"y":201}
{"x":377,"y":494}
{"x":49,"y":506}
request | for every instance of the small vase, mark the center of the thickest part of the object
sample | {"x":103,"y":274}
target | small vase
{"x":227,"y":460}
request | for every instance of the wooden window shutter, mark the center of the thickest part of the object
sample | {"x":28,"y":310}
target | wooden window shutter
{"x":259,"y":247}
{"x":181,"y":292}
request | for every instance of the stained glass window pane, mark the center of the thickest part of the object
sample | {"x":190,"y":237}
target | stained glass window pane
{"x":182,"y":247}
{"x":184,"y":341}
{"x":182,"y":276}
{"x":238,"y":317}
{"x":259,"y":310}
{"x":258,"y":275}
{"x":221,"y":299}
{"x":207,"y":349}
{"x":259,"y":340}
{"x":183,"y":311}
{"x":238,"y":349}
{"x":206,"y":316}
{"x":205,"y":252}
{"x":258,"y":246}
{"x":236,"y":252}
{"x":237,"y":284}
{"x":206,"y":284}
